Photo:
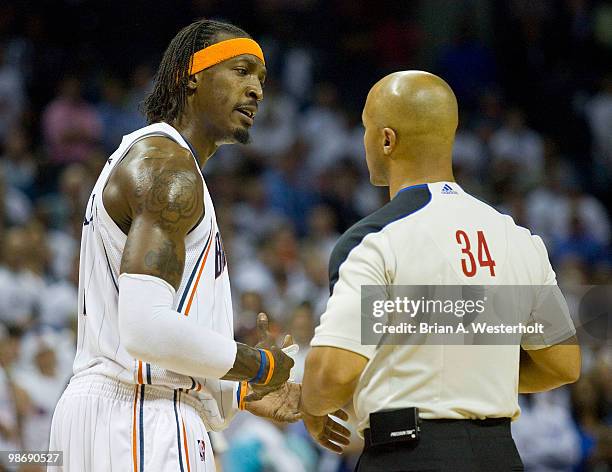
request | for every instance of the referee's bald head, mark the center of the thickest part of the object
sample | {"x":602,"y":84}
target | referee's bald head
{"x":410,"y":119}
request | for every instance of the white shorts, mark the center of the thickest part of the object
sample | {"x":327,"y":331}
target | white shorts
{"x":104,"y":425}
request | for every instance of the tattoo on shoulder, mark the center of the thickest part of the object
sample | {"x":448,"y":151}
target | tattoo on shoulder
{"x":173,"y":196}
{"x":166,"y":262}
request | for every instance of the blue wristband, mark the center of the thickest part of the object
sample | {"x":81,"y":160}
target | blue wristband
{"x":262,"y":364}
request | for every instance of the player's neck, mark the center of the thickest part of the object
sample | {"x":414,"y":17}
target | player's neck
{"x":203,"y":145}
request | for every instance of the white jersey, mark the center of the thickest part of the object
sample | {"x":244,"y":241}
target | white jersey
{"x":203,"y":295}
{"x":435,"y":234}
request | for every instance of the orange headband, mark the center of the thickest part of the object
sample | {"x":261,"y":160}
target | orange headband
{"x":222,"y":51}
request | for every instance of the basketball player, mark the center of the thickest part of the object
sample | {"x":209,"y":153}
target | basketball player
{"x":156,"y":363}
{"x":429,"y":407}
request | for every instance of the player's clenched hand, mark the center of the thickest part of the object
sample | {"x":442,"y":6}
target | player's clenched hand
{"x":328,"y":432}
{"x":282,"y":362}
{"x":281,"y":405}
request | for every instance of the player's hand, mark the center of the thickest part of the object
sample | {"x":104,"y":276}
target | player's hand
{"x":280,"y":405}
{"x":282,"y":362}
{"x":327,"y":431}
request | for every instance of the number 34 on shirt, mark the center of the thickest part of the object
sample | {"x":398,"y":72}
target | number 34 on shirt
{"x":468,"y":263}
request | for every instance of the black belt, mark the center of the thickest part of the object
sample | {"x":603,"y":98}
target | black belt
{"x":489,"y":427}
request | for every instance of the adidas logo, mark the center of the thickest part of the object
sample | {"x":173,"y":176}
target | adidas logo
{"x":448,"y":190}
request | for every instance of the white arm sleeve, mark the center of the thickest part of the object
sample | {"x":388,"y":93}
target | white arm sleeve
{"x":150,"y":330}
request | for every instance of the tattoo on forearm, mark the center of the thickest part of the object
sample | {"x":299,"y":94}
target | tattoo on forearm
{"x":165,"y":262}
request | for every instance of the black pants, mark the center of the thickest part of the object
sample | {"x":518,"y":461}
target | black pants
{"x":448,"y":446}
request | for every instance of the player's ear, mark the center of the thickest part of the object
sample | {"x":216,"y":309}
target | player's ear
{"x":389,"y":141}
{"x":193,"y":82}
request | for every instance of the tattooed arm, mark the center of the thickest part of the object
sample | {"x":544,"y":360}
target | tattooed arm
{"x":161,"y":191}
{"x":165,"y":198}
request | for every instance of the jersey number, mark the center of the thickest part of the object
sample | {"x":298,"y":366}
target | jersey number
{"x":468,"y":264}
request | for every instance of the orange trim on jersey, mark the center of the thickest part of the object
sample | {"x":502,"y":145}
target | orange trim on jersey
{"x":140,"y":373}
{"x":195,"y":286}
{"x":271,"y":366}
{"x":185,"y":444}
{"x":134,"y":456}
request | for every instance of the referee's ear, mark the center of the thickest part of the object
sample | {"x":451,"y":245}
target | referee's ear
{"x":389,"y":142}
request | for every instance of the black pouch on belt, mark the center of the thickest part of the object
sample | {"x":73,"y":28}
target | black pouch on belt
{"x":391,"y":426}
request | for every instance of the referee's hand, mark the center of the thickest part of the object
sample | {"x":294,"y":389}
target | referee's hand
{"x":326,"y":431}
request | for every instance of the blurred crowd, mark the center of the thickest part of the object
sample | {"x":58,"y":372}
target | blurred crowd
{"x":534,"y":84}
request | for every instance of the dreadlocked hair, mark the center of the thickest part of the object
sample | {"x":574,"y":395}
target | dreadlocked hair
{"x":167,"y":100}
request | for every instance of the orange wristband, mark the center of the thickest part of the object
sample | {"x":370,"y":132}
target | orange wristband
{"x":271,"y":366}
{"x":243,"y":387}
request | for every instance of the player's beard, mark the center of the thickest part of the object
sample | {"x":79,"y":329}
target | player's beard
{"x":241,"y":135}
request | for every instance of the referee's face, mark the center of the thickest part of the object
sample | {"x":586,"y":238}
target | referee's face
{"x":373,"y":139}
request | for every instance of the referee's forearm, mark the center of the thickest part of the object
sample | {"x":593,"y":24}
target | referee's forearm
{"x":320,"y":400}
{"x":534,"y":378}
{"x":323,"y":392}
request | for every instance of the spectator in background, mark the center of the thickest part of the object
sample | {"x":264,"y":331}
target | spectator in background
{"x":58,"y":301}
{"x":250,"y":305}
{"x":37,"y":260}
{"x":595,"y":435}
{"x":469,"y":152}
{"x":603,"y":371}
{"x":340,"y":193}
{"x":324,"y":128}
{"x":467,"y":65}
{"x":44,"y":381}
{"x":255,"y":275}
{"x":14,"y":402}
{"x":20,"y":287}
{"x":63,"y":247}
{"x":490,"y":116}
{"x":598,"y":112}
{"x":519,"y":145}
{"x":70,"y":125}
{"x":70,"y":200}
{"x":579,"y":243}
{"x":297,"y":74}
{"x":276,"y":274}
{"x":116,"y":117}
{"x":602,"y":24}
{"x":301,"y":326}
{"x":265,"y":446}
{"x":322,"y":229}
{"x":550,"y":209}
{"x":557,"y":448}
{"x":15,"y":208}
{"x":275,"y":130}
{"x":18,"y":161}
{"x":397,"y":36}
{"x":12,"y":98}
{"x":287,"y":191}
{"x":253,"y":217}
{"x":315,"y":263}
{"x":141,"y":84}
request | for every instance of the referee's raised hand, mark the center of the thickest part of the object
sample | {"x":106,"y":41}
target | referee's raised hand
{"x":276,"y":366}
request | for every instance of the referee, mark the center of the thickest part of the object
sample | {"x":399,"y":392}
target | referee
{"x":430,"y":407}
